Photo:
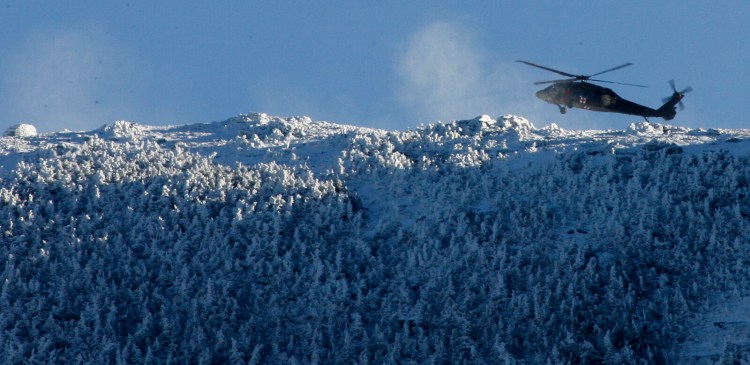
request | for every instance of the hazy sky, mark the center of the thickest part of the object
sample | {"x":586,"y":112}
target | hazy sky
{"x":390,"y":64}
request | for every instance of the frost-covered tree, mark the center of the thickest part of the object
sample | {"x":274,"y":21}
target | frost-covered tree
{"x":442,"y":244}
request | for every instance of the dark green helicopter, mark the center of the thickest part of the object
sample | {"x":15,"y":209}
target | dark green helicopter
{"x":575,"y":92}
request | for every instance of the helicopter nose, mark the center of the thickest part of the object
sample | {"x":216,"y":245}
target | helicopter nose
{"x":542,"y":94}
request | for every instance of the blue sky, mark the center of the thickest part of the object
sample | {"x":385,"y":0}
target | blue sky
{"x":386,"y":64}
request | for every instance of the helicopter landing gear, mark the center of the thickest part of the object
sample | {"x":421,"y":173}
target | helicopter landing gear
{"x":563,"y":109}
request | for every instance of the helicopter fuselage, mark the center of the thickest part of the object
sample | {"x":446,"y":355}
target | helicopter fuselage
{"x":575,"y":92}
{"x":584,"y":95}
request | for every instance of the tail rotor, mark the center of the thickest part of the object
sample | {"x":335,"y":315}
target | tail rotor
{"x":680,"y":94}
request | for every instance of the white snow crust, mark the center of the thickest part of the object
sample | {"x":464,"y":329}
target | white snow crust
{"x":21,"y":130}
{"x":264,"y":239}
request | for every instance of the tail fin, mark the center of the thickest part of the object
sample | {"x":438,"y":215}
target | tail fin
{"x":668,"y":110}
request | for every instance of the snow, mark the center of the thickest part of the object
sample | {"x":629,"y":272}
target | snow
{"x":21,"y":130}
{"x":721,"y":333}
{"x":285,"y":239}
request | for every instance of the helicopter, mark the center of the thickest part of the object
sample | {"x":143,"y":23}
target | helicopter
{"x":576,"y":92}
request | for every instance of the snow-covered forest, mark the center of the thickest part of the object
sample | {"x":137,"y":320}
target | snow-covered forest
{"x":266,"y":240}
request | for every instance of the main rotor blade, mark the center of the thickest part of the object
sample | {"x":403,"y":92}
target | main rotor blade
{"x":618,"y":83}
{"x":547,"y":68}
{"x":554,"y":81}
{"x":612,"y":69}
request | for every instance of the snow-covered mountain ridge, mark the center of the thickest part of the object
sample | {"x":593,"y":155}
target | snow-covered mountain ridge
{"x":249,"y":138}
{"x":283,"y":240}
